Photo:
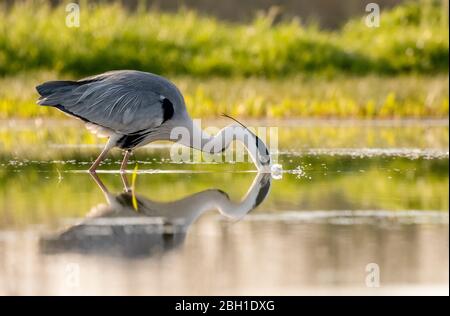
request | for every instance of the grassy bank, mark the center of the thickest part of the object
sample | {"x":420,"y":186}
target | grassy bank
{"x":300,"y":96}
{"x":412,"y":38}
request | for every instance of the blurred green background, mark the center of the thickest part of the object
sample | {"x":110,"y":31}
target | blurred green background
{"x":290,"y":60}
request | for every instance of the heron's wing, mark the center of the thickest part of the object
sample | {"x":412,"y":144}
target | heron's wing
{"x":120,"y":103}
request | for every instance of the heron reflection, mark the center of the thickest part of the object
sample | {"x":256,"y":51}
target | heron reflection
{"x":132,"y":225}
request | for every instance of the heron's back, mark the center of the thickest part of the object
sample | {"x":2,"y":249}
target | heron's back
{"x":124,"y":101}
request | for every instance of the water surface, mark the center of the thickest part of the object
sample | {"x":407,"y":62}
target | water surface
{"x":350,"y":195}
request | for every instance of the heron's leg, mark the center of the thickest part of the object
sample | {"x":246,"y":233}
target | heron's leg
{"x":99,"y":159}
{"x":123,"y":166}
{"x":112,"y":141}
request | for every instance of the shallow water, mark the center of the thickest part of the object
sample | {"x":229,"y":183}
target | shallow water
{"x":350,"y":195}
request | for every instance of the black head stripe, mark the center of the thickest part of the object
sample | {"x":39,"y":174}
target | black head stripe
{"x":167,"y":108}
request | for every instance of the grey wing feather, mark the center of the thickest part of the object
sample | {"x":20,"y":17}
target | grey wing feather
{"x":125,"y":101}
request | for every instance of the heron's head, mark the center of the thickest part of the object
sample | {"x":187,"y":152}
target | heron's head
{"x":263,"y":158}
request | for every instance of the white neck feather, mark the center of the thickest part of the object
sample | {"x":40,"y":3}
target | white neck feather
{"x":216,"y":144}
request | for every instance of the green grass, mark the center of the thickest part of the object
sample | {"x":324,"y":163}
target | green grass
{"x":33,"y":36}
{"x":255,"y":70}
{"x":300,"y":96}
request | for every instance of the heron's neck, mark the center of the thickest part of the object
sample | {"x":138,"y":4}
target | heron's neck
{"x":220,"y":142}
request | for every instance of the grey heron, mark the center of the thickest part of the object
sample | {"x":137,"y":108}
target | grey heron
{"x":133,"y":108}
